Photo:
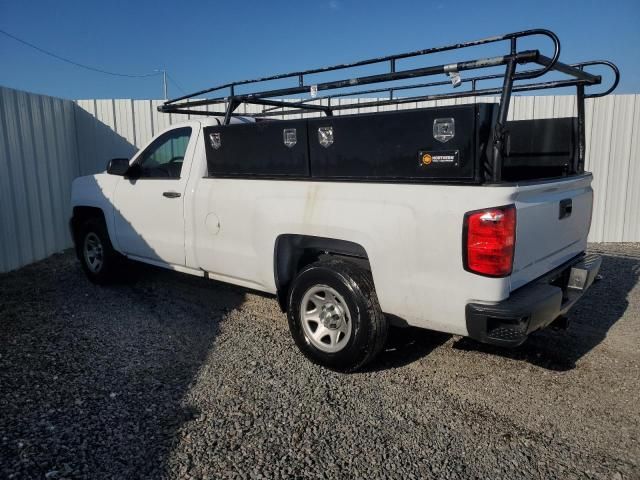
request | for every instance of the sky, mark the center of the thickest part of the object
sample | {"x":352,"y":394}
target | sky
{"x":204,"y":43}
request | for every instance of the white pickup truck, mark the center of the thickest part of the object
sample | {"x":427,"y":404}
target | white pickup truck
{"x":447,"y":218}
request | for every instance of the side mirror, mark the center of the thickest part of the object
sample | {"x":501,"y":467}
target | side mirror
{"x":118,"y":166}
{"x":134,"y":172}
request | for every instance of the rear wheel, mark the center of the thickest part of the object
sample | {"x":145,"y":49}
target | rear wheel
{"x":99,"y":260}
{"x":334,"y":315}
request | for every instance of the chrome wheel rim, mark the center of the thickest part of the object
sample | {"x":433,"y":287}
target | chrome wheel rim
{"x":93,"y":252}
{"x":326,"y":320}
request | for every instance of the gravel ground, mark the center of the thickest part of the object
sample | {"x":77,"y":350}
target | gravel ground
{"x":170,"y":376}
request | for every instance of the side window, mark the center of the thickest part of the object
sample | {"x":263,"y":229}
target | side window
{"x":164,"y":157}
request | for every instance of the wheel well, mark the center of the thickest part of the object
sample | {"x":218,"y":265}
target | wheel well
{"x":81,"y":215}
{"x":294,"y":252}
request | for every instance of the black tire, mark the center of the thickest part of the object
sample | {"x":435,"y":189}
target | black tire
{"x":369,"y":326}
{"x":89,"y":230}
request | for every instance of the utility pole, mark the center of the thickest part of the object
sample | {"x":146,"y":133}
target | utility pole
{"x":164,"y":83}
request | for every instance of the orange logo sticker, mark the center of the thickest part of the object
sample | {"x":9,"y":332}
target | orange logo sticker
{"x":426,"y":159}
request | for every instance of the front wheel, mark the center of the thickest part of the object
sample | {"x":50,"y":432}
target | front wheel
{"x":334,"y":315}
{"x":97,"y":256}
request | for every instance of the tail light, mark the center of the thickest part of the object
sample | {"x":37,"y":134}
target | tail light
{"x":489,"y":238}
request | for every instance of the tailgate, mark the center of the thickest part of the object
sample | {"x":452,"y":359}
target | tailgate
{"x":553,"y":220}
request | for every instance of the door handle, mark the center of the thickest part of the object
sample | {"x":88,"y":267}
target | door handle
{"x":171,"y":194}
{"x":566,"y":207}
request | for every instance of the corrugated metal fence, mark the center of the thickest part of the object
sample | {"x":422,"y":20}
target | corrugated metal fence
{"x":38,"y":161}
{"x":45,"y":142}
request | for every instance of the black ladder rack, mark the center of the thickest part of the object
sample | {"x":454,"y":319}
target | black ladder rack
{"x":275,"y":105}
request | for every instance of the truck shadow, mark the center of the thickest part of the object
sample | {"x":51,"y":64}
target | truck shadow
{"x":590,"y":320}
{"x":98,"y":143}
{"x":405,"y":346}
{"x":96,"y":377}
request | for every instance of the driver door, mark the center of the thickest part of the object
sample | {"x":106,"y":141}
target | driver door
{"x":149,"y":211}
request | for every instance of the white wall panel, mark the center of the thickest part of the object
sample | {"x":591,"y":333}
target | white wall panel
{"x":618,"y":159}
{"x":38,"y":161}
{"x":631,"y":228}
{"x":564,"y":106}
{"x":521,"y":108}
{"x":11,"y":255}
{"x":143,"y":120}
{"x":598,"y":151}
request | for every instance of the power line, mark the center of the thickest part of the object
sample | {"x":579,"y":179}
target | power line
{"x":176,"y":84}
{"x":86,"y":67}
